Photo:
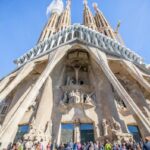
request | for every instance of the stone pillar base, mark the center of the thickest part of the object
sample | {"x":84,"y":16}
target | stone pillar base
{"x":36,"y":135}
{"x":116,"y":137}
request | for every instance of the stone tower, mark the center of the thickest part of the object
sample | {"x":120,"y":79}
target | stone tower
{"x":78,"y":83}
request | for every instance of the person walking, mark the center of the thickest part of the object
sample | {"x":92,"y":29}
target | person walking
{"x":91,"y":147}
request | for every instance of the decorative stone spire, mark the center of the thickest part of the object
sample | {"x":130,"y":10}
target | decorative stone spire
{"x":55,"y":9}
{"x":102,"y":24}
{"x":65,"y":18}
{"x":88,"y":17}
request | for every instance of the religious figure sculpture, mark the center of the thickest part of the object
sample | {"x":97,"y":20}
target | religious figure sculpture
{"x":76,"y":96}
{"x":105,"y":127}
{"x":88,"y":98}
{"x":72,"y":82}
{"x":116,"y":126}
{"x":65,"y":99}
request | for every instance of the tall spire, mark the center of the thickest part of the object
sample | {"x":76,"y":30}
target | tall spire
{"x":55,"y":9}
{"x":88,"y":19}
{"x":65,"y":18}
{"x":102,"y":24}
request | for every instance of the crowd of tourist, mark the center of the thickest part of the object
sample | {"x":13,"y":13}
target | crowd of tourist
{"x":131,"y":145}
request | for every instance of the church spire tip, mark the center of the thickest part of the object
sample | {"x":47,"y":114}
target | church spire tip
{"x":56,"y":6}
{"x":95,"y":5}
{"x":85,"y":2}
{"x":68,"y":2}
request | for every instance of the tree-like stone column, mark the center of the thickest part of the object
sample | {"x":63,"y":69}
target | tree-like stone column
{"x":6,"y":131}
{"x":21,"y":75}
{"x":102,"y":61}
{"x":20,"y":94}
{"x":44,"y":111}
{"x":77,"y":136}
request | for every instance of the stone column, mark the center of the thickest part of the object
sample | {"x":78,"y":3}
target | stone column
{"x":31,"y":97}
{"x":102,"y":61}
{"x":59,"y":135}
{"x":45,"y":106}
{"x":77,"y":136}
{"x":21,"y":75}
{"x":11,"y":112}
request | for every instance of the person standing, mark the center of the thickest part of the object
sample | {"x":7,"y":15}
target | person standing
{"x":91,"y":147}
{"x":75,"y":146}
{"x":108,"y":145}
{"x":123,"y":146}
{"x":116,"y":147}
{"x":146,"y":145}
{"x":79,"y":146}
{"x":96,"y":145}
{"x":48,"y":147}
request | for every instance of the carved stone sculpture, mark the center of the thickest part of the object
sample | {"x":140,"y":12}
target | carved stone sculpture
{"x":116,"y":126}
{"x":88,"y":99}
{"x":28,"y":145}
{"x":65,"y":99}
{"x":105,"y":127}
{"x":36,"y":135}
{"x":76,"y":96}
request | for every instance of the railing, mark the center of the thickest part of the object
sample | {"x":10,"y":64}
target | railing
{"x":86,"y":35}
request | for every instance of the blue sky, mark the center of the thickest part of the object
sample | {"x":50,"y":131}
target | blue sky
{"x":21,"y":22}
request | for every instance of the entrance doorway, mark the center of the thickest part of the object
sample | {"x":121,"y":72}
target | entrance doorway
{"x":134,"y":130}
{"x":69,"y":132}
{"x":87,"y":132}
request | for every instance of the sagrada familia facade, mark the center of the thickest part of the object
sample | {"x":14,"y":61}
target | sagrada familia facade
{"x":79,"y":83}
